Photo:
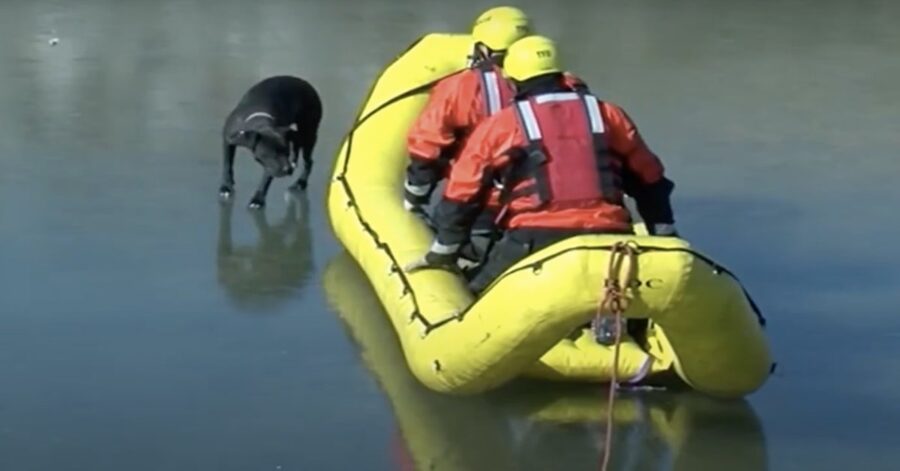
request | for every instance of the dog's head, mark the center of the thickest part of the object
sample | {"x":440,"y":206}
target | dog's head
{"x":270,"y":148}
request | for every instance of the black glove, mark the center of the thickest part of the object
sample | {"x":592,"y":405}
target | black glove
{"x":443,"y":260}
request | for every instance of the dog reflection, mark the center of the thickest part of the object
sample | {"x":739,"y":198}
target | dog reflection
{"x":261,"y":277}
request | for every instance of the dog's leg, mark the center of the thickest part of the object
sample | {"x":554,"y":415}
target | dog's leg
{"x":227,"y":187}
{"x":259,"y":198}
{"x":294,"y":139}
{"x":224,"y":245}
{"x":309,"y":143}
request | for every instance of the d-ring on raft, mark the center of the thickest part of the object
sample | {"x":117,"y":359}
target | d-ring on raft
{"x":703,"y":325}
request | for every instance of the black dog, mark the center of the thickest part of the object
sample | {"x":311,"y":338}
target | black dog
{"x":275,"y":119}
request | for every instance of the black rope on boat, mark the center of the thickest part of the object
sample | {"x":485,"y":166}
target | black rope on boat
{"x":444,"y":322}
{"x":342,"y":176}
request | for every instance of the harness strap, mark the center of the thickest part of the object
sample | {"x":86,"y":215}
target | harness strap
{"x":534,"y":153}
{"x":490,"y":87}
{"x":610,"y":181}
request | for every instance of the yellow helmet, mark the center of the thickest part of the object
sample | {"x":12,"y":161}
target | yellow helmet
{"x":499,"y":27}
{"x":530,"y":57}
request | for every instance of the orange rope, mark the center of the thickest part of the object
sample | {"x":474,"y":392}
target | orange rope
{"x":616,"y":303}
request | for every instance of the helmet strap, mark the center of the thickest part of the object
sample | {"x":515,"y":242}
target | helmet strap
{"x":481,"y":54}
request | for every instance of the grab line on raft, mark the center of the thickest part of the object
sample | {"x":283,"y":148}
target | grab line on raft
{"x":342,"y":178}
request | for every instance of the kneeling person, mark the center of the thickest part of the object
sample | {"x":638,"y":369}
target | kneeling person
{"x":566,"y":159}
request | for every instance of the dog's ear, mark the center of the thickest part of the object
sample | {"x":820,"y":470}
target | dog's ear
{"x":289,"y":133}
{"x":278,"y":135}
{"x":285,"y":130}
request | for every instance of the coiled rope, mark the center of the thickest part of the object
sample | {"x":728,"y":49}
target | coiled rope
{"x":615,"y":303}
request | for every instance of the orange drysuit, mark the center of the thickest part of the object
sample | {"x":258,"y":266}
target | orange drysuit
{"x":567,"y":159}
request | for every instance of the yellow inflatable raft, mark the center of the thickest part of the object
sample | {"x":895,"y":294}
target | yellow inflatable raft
{"x":530,"y":426}
{"x":528,"y":323}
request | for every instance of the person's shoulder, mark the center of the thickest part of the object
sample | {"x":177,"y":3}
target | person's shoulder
{"x":456,"y":84}
{"x":611,"y":108}
{"x":574,"y":82}
{"x":465,"y":75}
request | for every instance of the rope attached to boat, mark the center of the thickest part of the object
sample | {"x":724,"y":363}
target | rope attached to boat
{"x":615,"y":303}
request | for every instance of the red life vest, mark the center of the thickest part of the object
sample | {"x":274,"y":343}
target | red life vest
{"x":567,"y":163}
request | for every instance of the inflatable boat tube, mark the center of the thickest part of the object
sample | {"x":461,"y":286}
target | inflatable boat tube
{"x":702,"y":322}
{"x":535,"y":425}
